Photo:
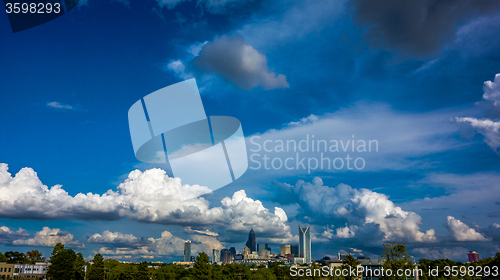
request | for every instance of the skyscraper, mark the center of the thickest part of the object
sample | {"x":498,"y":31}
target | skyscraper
{"x":473,"y":256}
{"x":225,"y":256}
{"x":285,"y":250}
{"x":305,"y":243}
{"x":187,"y":251}
{"x":233,"y":252}
{"x":295,"y":250}
{"x":215,"y":256}
{"x":263,"y":246}
{"x":251,"y":241}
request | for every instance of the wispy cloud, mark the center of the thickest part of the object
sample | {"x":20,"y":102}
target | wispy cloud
{"x":61,"y":106}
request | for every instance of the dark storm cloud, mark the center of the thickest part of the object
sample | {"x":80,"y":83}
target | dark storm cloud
{"x":7,"y":235}
{"x":239,"y":63}
{"x":417,"y":27}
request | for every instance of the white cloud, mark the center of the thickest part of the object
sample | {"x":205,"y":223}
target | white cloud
{"x":346,"y":232}
{"x":48,"y":237}
{"x":116,"y":239}
{"x":58,"y":105}
{"x":149,"y":196}
{"x":246,"y":213}
{"x":178,"y":67}
{"x":207,"y":232}
{"x":307,"y":120}
{"x":462,"y":232}
{"x":239,"y":63}
{"x":492,"y":91}
{"x":488,"y":128}
{"x":166,"y":246}
{"x":367,"y":214}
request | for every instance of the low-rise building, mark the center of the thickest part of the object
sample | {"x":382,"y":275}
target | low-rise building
{"x":6,"y":271}
{"x":31,"y":271}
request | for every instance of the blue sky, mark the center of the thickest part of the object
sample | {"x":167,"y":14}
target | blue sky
{"x":411,"y":76}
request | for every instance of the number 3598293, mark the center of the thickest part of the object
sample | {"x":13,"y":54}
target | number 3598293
{"x":33,"y":8}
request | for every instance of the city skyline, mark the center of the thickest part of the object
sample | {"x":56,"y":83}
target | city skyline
{"x":372,"y":124}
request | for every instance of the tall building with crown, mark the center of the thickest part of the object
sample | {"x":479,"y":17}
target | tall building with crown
{"x":305,"y":243}
{"x":251,"y":241}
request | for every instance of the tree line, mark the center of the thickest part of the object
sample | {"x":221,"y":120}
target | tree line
{"x":66,"y":264}
{"x":31,"y":257}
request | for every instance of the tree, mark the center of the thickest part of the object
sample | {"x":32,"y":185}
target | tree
{"x":15,"y":257}
{"x":62,"y":265}
{"x":97,"y":269}
{"x":125,"y":276}
{"x":202,"y":268}
{"x":58,"y":247}
{"x":142,"y":271}
{"x":351,"y":264}
{"x":3,"y":258}
{"x":34,"y":256}
{"x":79,"y":267}
{"x":395,"y":257}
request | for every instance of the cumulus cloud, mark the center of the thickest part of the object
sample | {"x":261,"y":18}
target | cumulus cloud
{"x":239,"y":63}
{"x":7,"y":235}
{"x":492,"y":91}
{"x":117,"y":239}
{"x":367,"y":214}
{"x":246,"y":213}
{"x":166,"y":246}
{"x":48,"y":237}
{"x":461,"y":232}
{"x":149,"y":196}
{"x":417,"y":27}
{"x":489,"y":127}
{"x":346,"y":232}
